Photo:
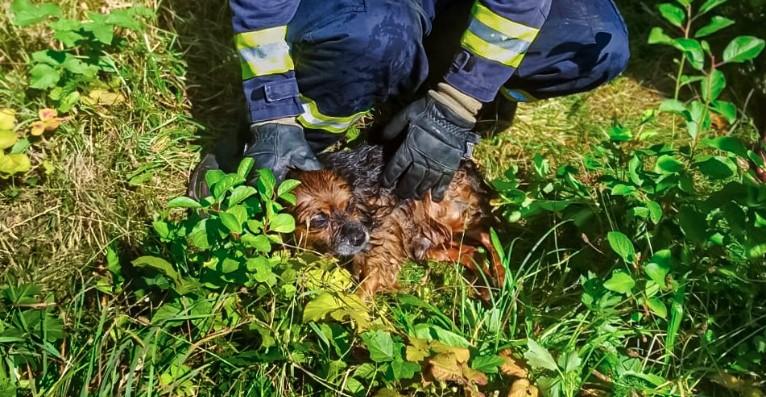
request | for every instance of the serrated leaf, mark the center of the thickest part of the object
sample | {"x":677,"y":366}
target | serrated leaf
{"x":743,"y":49}
{"x":183,"y":202}
{"x":620,"y":282}
{"x":380,"y":345}
{"x":622,"y":245}
{"x":539,"y":357}
{"x":673,"y":14}
{"x":417,"y":350}
{"x":43,"y":76}
{"x":716,"y":24}
{"x":25,"y":13}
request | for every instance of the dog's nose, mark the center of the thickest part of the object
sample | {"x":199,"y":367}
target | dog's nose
{"x":355,"y":234}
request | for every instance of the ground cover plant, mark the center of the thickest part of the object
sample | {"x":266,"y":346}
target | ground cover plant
{"x":634,"y":229}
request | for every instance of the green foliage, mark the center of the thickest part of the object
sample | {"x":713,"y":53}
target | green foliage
{"x":81,"y":58}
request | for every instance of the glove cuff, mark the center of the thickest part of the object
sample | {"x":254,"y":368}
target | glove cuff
{"x":285,"y":121}
{"x":461,"y":104}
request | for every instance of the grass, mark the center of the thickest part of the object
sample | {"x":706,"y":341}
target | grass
{"x":108,"y":171}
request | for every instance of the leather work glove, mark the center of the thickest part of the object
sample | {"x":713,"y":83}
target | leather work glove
{"x":280,"y":147}
{"x":438,"y":137}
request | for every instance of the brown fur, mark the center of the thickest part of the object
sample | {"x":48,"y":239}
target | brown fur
{"x":399,"y":230}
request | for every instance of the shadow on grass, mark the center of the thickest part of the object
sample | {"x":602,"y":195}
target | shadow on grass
{"x":213,"y":73}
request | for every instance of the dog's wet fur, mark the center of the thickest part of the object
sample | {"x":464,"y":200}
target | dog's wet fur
{"x":345,"y":211}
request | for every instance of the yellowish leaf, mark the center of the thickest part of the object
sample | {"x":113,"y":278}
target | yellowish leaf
{"x":37,"y":129}
{"x":103,"y":97}
{"x":14,"y":163}
{"x":47,"y":114}
{"x":444,"y":367}
{"x":7,"y":139}
{"x":7,"y":119}
{"x":51,"y":124}
{"x":417,"y":350}
{"x":511,"y":366}
{"x":462,"y":355}
{"x":523,"y":388}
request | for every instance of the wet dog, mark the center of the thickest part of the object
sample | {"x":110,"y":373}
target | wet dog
{"x":344,"y":210}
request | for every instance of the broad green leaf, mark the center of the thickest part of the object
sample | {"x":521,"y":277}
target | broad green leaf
{"x":618,"y":133}
{"x":693,"y":224}
{"x":7,"y":139}
{"x":231,"y":222}
{"x":713,"y":85}
{"x":693,"y":50}
{"x":709,"y":5}
{"x":223,"y":185}
{"x":728,"y":144}
{"x":675,"y":106}
{"x":102,"y":31}
{"x":667,"y":164}
{"x":623,"y":190}
{"x":245,"y":166}
{"x":658,"y":36}
{"x":539,"y":357}
{"x":450,"y":338}
{"x":266,"y":182}
{"x":726,"y":109}
{"x":160,"y":265}
{"x":282,"y":223}
{"x":620,"y":282}
{"x":622,"y":245}
{"x":183,"y":202}
{"x":403,"y":370}
{"x":487,"y":364}
{"x":716,"y":167}
{"x":700,"y":118}
{"x":659,"y":266}
{"x":743,"y":49}
{"x":716,"y":23}
{"x":26,"y":13}
{"x":260,"y":242}
{"x":655,"y":211}
{"x":198,"y":237}
{"x":240,"y":194}
{"x":287,"y":186}
{"x":43,"y":76}
{"x":213,"y":176}
{"x":673,"y":14}
{"x":20,"y":146}
{"x":657,"y":307}
{"x":380,"y":345}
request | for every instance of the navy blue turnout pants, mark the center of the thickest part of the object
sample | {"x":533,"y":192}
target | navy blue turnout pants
{"x":351,"y":55}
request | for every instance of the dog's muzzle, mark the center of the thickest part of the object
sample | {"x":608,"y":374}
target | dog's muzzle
{"x":351,"y":239}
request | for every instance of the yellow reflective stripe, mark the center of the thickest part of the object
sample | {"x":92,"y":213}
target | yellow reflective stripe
{"x":478,"y":46}
{"x":313,"y":118}
{"x":264,"y":52}
{"x":503,"y":25}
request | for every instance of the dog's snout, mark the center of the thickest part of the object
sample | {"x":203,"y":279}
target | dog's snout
{"x":355,"y":234}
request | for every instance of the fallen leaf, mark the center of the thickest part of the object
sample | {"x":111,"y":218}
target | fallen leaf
{"x":444,"y":367}
{"x":47,"y":114}
{"x":7,"y":139}
{"x":103,"y":97}
{"x":417,"y":350}
{"x":7,"y":119}
{"x":523,"y":388}
{"x":511,"y":366}
{"x":462,"y":355}
{"x":38,"y":128}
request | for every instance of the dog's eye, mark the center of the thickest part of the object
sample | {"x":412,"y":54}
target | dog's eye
{"x":318,"y":221}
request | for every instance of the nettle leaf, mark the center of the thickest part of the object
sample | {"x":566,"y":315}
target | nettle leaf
{"x":728,"y":144}
{"x":726,"y":109}
{"x":25,"y":13}
{"x":487,"y":364}
{"x":43,"y":76}
{"x":667,"y":164}
{"x":693,"y":50}
{"x":709,"y":5}
{"x":102,"y":30}
{"x":743,"y":49}
{"x":380,"y":345}
{"x":659,"y":266}
{"x":620,"y":282}
{"x":622,"y":245}
{"x":539,"y":357}
{"x":713,"y":86}
{"x":673,"y":14}
{"x":183,"y":202}
{"x":716,"y":23}
{"x":658,"y":36}
{"x":716,"y":167}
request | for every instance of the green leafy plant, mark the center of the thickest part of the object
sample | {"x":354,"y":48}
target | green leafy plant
{"x":82,"y":54}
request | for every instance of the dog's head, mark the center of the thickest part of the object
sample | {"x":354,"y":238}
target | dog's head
{"x":327,"y":218}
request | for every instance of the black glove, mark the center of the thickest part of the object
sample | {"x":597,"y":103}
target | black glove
{"x":280,"y":147}
{"x":437,"y":140}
